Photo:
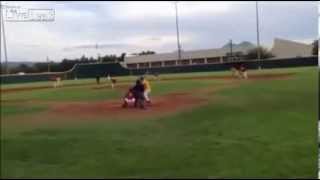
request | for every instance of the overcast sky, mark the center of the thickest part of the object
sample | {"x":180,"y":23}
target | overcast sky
{"x":135,"y":26}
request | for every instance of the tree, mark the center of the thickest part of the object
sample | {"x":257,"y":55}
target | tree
{"x":315,"y":45}
{"x":253,"y":53}
{"x":67,"y":64}
{"x":64,"y":65}
{"x":41,"y":67}
{"x":91,"y":59}
{"x":121,"y":58}
{"x":84,"y":59}
{"x":109,"y":58}
{"x":2,"y":69}
{"x":23,"y":68}
{"x":142,"y":53}
{"x":146,"y":53}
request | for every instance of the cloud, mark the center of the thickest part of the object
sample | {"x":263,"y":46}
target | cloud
{"x":165,"y":9}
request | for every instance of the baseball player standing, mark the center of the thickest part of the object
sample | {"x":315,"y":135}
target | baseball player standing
{"x":147,"y":89}
{"x":57,"y":81}
{"x":243,"y":71}
{"x":138,"y":91}
{"x":235,"y":72}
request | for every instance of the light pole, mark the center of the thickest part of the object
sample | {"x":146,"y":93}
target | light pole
{"x":177,"y":27}
{"x":258,"y":36}
{"x":231,"y":56}
{"x":4,"y":39}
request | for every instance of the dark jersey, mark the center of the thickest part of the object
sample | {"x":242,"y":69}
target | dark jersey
{"x":138,"y":90}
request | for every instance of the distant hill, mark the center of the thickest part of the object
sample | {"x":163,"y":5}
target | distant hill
{"x":244,"y":44}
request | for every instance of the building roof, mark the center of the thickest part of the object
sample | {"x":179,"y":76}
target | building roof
{"x":194,"y":54}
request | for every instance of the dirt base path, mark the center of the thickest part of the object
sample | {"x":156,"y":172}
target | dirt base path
{"x":162,"y":105}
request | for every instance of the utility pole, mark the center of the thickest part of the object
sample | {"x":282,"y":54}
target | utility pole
{"x":177,"y":27}
{"x":258,"y":36}
{"x":4,"y":39}
{"x":231,"y":49}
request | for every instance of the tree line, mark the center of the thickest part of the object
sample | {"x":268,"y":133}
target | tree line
{"x":64,"y":65}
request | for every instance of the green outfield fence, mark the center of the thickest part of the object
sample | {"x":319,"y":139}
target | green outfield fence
{"x":116,"y":69}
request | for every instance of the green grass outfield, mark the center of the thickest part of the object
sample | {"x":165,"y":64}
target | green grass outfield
{"x":261,"y":128}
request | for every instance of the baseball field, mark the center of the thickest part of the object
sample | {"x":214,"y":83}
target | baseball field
{"x":208,"y":125}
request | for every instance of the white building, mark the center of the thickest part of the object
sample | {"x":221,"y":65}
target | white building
{"x":287,"y":49}
{"x":281,"y":49}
